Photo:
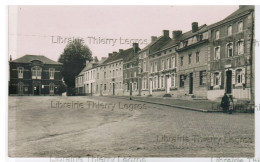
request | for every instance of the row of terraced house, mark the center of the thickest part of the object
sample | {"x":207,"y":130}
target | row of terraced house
{"x":205,"y":62}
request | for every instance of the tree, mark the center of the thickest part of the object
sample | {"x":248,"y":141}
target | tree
{"x":74,"y":58}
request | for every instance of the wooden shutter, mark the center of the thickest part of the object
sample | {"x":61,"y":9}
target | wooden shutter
{"x":233,"y":77}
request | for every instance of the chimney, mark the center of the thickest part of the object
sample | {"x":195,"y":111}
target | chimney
{"x":135,"y":47}
{"x":166,"y":33}
{"x":114,"y":53}
{"x":110,"y":54}
{"x":195,"y":27}
{"x":121,"y":50}
{"x":176,"y":34}
{"x":11,"y":58}
{"x":153,"y":38}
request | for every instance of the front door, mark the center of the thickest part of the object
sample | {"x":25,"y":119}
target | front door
{"x":36,"y":90}
{"x":229,"y":81}
{"x":151,"y":87}
{"x":191,"y":84}
{"x":168,"y":84}
{"x":20,"y":88}
{"x":113,"y":88}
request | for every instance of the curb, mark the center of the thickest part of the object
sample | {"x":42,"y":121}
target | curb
{"x":174,"y":106}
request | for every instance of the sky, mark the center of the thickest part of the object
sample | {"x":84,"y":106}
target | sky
{"x":45,"y":30}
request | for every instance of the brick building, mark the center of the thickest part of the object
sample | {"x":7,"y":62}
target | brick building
{"x":232,"y":54}
{"x":131,"y":73}
{"x":35,"y":75}
{"x":110,"y":72}
{"x":193,"y":62}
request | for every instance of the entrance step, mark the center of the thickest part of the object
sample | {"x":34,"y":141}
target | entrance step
{"x":167,"y":95}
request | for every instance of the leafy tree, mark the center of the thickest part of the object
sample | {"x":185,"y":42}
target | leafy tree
{"x":74,"y":58}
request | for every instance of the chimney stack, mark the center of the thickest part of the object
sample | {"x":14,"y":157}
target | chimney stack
{"x":114,"y":53}
{"x":110,"y":54}
{"x":176,"y":34}
{"x":135,"y":47}
{"x":153,"y":38}
{"x":166,"y":33}
{"x":195,"y":27}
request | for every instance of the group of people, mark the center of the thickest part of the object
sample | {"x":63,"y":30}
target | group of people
{"x":227,"y":103}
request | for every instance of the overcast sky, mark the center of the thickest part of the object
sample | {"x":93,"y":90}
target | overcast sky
{"x":40,"y":30}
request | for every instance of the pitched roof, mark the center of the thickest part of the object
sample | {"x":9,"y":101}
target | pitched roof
{"x":91,"y":65}
{"x":125,"y":55}
{"x":29,"y":58}
{"x":157,"y":44}
{"x":242,"y":10}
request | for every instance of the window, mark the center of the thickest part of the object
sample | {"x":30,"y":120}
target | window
{"x":135,"y":86}
{"x":173,"y":80}
{"x":162,"y":81}
{"x":113,"y":73}
{"x":240,"y":47}
{"x":217,"y":35}
{"x":20,"y":72}
{"x":105,"y":74}
{"x":105,"y":87}
{"x":189,"y":58}
{"x":51,"y":73}
{"x":151,"y":67}
{"x":155,"y":82}
{"x":230,"y":49}
{"x":173,"y":62}
{"x":182,"y":61}
{"x":197,"y":57}
{"x":239,"y":76}
{"x":240,"y":26}
{"x":229,"y":30}
{"x":217,"y":78}
{"x":163,"y":64}
{"x":51,"y":88}
{"x":203,"y":78}
{"x":36,"y":72}
{"x":181,"y":80}
{"x":144,"y":83}
{"x":167,"y":63}
{"x":155,"y":66}
{"x":217,"y":53}
{"x":144,"y":67}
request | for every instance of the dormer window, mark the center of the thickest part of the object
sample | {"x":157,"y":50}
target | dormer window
{"x":229,"y":30}
{"x":217,"y":34}
{"x":240,"y":26}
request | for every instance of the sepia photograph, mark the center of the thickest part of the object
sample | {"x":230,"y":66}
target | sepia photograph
{"x":131,"y":81}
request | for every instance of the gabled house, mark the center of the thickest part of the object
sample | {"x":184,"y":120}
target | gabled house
{"x":35,"y":75}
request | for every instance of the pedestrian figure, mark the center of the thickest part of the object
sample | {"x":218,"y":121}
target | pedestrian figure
{"x":231,"y":105}
{"x":225,"y":103}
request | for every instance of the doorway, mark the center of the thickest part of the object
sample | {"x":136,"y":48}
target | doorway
{"x":191,"y":84}
{"x":36,"y":89}
{"x":229,"y":82}
{"x":113,"y":89}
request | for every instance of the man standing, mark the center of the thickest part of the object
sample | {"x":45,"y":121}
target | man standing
{"x":225,"y":103}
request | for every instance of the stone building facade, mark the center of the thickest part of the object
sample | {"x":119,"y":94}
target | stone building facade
{"x":203,"y":63}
